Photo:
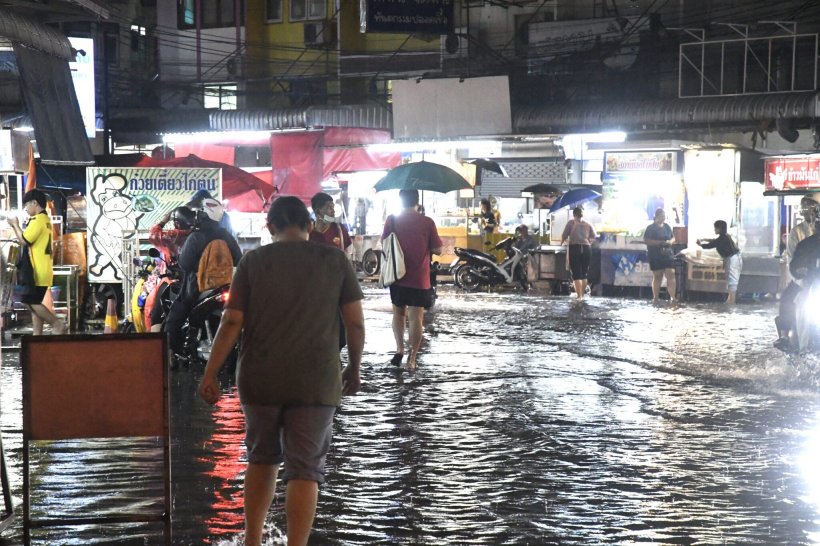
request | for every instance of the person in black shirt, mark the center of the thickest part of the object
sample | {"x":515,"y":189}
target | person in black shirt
{"x":205,"y":231}
{"x":732,"y":262}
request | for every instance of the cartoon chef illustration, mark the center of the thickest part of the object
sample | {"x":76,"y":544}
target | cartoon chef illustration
{"x":115,"y":217}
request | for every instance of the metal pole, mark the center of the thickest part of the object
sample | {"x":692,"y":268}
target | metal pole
{"x":8,"y":513}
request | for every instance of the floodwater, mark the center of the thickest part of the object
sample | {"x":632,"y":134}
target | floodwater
{"x":530,"y":420}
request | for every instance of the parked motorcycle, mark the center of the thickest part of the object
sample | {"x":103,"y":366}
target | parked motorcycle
{"x":135,"y":322}
{"x":164,"y":294}
{"x":474,"y":269}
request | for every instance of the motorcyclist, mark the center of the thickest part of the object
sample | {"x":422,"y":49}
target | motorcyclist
{"x":202,"y":200}
{"x":805,"y":267}
{"x":168,"y":242}
{"x":205,"y":230}
{"x":785,"y":321}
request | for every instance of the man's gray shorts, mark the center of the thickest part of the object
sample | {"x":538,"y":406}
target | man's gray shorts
{"x":297,"y":435}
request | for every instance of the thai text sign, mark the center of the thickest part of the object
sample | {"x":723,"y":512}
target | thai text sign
{"x":123,"y":201}
{"x":409,"y":16}
{"x":792,"y":173}
{"x":622,"y":162}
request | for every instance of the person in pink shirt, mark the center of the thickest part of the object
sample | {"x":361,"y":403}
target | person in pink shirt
{"x":412,"y":294}
{"x":580,"y":235}
{"x":327,"y":230}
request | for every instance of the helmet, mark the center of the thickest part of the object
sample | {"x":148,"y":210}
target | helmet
{"x":213,"y":209}
{"x":184,"y":218}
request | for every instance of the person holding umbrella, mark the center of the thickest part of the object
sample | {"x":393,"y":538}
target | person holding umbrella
{"x":412,"y":294}
{"x":418,"y":237}
{"x":579,"y":234}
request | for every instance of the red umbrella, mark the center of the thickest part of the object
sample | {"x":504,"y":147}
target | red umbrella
{"x":243,"y":191}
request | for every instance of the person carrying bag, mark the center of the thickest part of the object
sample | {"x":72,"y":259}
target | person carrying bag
{"x":393,"y":267}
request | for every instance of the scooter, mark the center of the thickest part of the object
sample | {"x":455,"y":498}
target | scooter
{"x":483,"y":270}
{"x":164,"y":294}
{"x":135,"y":323}
{"x":807,"y":326}
{"x":202,"y":323}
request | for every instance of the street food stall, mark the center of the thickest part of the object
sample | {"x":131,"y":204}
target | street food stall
{"x":635,"y":185}
{"x":786,"y":180}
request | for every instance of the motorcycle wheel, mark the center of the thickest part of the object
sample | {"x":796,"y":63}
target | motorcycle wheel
{"x":371,"y":262}
{"x":466,"y":278}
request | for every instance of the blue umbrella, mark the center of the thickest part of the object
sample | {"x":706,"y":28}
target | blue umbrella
{"x":573,"y":198}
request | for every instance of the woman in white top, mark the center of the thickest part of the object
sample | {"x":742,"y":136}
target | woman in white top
{"x":579,"y":234}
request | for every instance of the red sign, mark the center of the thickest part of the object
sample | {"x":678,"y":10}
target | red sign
{"x":792,"y":173}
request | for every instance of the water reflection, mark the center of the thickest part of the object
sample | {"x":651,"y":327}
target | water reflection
{"x":529,"y":420}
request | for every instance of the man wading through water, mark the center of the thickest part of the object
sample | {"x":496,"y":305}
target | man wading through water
{"x":285,"y":300}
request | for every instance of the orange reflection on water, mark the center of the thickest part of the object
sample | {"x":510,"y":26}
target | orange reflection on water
{"x":228,"y":458}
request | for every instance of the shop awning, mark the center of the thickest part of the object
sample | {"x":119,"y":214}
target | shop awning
{"x":52,"y":105}
{"x":666,"y":114}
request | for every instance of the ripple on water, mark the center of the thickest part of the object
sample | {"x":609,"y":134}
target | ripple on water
{"x":531,"y":420}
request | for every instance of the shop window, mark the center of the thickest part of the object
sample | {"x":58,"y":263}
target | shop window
{"x":273,"y":11}
{"x":758,"y":221}
{"x":252,"y":156}
{"x":215,"y":13}
{"x":301,"y":10}
{"x":111,"y":49}
{"x":220,"y":97}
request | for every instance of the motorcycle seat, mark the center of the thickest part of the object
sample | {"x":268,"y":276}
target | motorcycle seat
{"x":208,"y":293}
{"x":474,"y":252}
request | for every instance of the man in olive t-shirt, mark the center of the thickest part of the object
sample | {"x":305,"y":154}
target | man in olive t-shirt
{"x":285,"y":299}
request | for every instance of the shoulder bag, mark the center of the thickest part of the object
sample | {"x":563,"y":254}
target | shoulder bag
{"x":393,"y":265}
{"x":24,"y":273}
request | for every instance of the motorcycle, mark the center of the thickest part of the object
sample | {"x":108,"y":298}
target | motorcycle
{"x":164,"y":294}
{"x":135,"y":322}
{"x":202,"y":323}
{"x":199,"y":328}
{"x":807,"y":326}
{"x":473,"y":269}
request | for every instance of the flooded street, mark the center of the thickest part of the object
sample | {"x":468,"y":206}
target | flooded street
{"x":530,"y":420}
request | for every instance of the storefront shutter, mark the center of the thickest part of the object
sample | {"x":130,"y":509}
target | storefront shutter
{"x":521,"y":174}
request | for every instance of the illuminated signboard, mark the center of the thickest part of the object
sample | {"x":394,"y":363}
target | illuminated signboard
{"x":628,"y":162}
{"x":82,"y":74}
{"x":792,"y":173}
{"x":6,"y":155}
{"x":122,"y":201}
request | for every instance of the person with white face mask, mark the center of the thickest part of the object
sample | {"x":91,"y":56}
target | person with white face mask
{"x":327,"y":229}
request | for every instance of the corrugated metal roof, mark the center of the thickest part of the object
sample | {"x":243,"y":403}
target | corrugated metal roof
{"x":365,"y":116}
{"x":668,"y":114}
{"x":22,"y":30}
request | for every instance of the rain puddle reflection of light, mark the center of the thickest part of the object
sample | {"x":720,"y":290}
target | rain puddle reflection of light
{"x":810,"y":468}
